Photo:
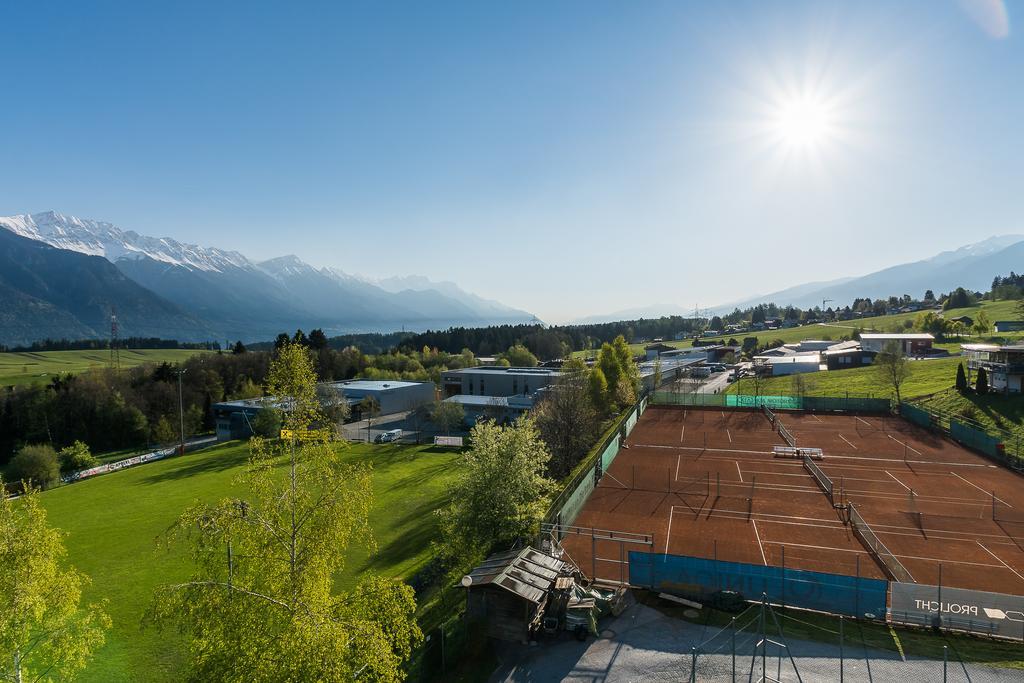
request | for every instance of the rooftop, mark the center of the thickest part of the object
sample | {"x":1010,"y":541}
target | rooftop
{"x":494,"y":370}
{"x":527,"y":573}
{"x":912,"y":335}
{"x":373,"y":384}
{"x":993,"y":347}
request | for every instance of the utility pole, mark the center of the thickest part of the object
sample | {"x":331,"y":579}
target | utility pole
{"x":115,"y":354}
{"x":181,"y":411}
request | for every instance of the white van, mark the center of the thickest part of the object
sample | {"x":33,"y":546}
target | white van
{"x":388,"y":436}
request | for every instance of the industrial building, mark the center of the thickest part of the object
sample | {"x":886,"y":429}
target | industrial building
{"x":501,"y":409}
{"x":776,"y":366}
{"x":496,"y":381}
{"x":233,"y":419}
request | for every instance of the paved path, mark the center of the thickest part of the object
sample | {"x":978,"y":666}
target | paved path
{"x":644,"y":645}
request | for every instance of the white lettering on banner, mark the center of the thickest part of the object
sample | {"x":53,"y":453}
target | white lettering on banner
{"x":946,"y":607}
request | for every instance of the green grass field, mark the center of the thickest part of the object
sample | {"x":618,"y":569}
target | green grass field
{"x":926,"y":377}
{"x":113,"y":523}
{"x":41,"y":366}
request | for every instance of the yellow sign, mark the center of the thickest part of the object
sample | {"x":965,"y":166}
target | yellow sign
{"x":307,"y":435}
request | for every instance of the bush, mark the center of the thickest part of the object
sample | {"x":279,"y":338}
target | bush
{"x":267,"y":423}
{"x":76,"y":457}
{"x":35,"y":463}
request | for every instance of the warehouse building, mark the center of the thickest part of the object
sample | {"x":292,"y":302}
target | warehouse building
{"x":497,"y":381}
{"x":233,"y":419}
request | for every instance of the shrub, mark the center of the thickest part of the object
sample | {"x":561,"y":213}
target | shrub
{"x":76,"y":457}
{"x":267,"y":423}
{"x":35,"y":463}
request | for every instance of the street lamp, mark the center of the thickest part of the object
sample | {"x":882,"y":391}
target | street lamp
{"x":181,"y":411}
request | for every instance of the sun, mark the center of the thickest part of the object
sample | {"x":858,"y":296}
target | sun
{"x":803,"y":122}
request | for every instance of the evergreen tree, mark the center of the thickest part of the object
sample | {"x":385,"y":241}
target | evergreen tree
{"x":961,"y":378}
{"x":981,"y":383}
{"x":239,"y":348}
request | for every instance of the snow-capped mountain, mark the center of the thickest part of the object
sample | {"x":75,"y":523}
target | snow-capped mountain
{"x":240,"y":299}
{"x":99,"y":238}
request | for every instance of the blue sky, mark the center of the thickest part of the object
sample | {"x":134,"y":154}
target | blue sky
{"x":567,"y":158}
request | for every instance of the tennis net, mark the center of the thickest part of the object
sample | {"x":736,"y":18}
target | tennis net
{"x":784,"y":433}
{"x":768,"y":413}
{"x":823,"y":480}
{"x":877,"y":548}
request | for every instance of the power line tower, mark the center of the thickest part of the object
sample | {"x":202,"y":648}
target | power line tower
{"x":115,"y":352}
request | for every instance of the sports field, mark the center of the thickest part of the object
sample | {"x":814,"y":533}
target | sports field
{"x":112,"y":524}
{"x":40,"y":366}
{"x":707,"y":483}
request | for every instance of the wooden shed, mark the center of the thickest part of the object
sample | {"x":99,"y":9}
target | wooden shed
{"x":508,"y":592}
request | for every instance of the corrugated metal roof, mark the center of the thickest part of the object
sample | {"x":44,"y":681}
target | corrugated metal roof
{"x":528,"y":573}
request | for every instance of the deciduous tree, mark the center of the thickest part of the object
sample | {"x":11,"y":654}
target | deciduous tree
{"x":566,"y":418}
{"x":261,"y":604}
{"x":893,"y":367}
{"x":501,"y":494}
{"x":45,"y":632}
{"x":447,"y":415}
{"x":35,"y":464}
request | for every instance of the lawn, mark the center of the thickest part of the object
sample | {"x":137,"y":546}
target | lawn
{"x":926,"y":377}
{"x":993,"y":411}
{"x":41,"y":366}
{"x":113,"y":522}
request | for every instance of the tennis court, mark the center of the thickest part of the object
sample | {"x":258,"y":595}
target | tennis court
{"x":723,"y":484}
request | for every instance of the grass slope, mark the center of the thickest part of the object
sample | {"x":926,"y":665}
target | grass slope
{"x":29,"y":367}
{"x":113,"y":523}
{"x":926,"y":377}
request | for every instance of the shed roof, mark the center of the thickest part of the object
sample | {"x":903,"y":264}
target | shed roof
{"x":913,"y":335}
{"x":528,"y":573}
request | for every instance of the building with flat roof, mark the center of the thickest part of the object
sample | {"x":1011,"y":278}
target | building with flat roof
{"x":913,"y":344}
{"x":501,"y":409}
{"x":233,"y":419}
{"x":776,"y":366}
{"x":1003,"y":364}
{"x":1009,"y":325}
{"x":496,"y":381}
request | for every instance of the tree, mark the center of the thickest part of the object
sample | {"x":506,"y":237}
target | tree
{"x":369,"y":408}
{"x":36,"y":465}
{"x":500,"y":495}
{"x":958,"y":298}
{"x":893,"y":367}
{"x":266,"y":423}
{"x":566,"y":418}
{"x":597,"y":386}
{"x":333,"y":405}
{"x":929,"y":296}
{"x":261,"y":604}
{"x":981,"y":382}
{"x":282,"y":340}
{"x":76,"y":457}
{"x":447,"y":415}
{"x":520,"y":357}
{"x":716,"y":323}
{"x":163,"y":432}
{"x":982,"y":324}
{"x":317,"y":340}
{"x":238,"y":349}
{"x":961,"y":378}
{"x":45,"y":633}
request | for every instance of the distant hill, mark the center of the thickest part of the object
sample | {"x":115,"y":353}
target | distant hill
{"x":972,"y":266}
{"x":224,"y":295}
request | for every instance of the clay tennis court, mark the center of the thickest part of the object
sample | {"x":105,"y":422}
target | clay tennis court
{"x":705,"y":482}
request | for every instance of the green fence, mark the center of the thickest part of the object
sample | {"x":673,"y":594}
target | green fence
{"x":858,"y":404}
{"x":573,"y":496}
{"x":1001,"y":446}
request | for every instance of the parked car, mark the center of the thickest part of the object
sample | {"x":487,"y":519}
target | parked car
{"x":388,"y":436}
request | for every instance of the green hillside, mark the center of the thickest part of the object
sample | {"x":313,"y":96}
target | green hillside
{"x":40,"y":366}
{"x":113,"y":523}
{"x":926,"y":377}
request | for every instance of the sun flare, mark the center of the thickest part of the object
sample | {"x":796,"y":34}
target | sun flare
{"x":803,"y":122}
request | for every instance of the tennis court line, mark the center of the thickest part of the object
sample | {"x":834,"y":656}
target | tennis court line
{"x":896,"y":480}
{"x":1000,"y":560}
{"x":728,"y":434}
{"x":739,"y":470}
{"x":817,"y":418}
{"x":987,"y":493}
{"x":682,"y":432}
{"x":864,"y":421}
{"x":905,"y":445}
{"x":679,"y":461}
{"x":847,"y":441}
{"x":758,"y":535}
{"x":668,"y":536}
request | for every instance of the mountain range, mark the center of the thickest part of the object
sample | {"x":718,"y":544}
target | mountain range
{"x":60,"y":276}
{"x":972,"y":267}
